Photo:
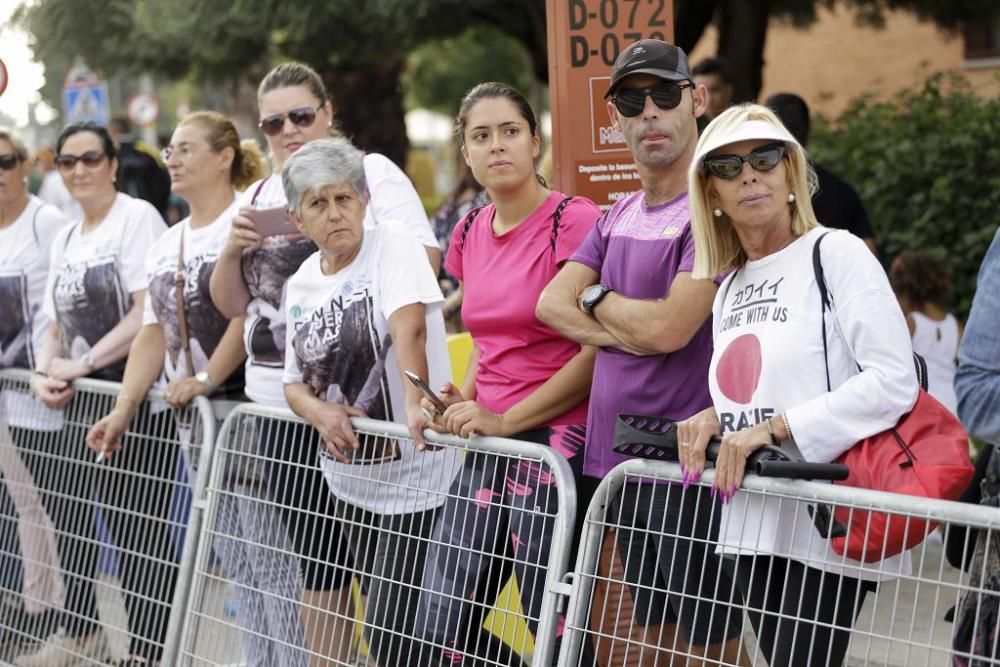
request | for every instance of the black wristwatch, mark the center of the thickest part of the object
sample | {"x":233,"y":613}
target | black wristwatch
{"x":593,"y":296}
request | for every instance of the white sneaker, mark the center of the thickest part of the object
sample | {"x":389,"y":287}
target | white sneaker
{"x":62,"y":651}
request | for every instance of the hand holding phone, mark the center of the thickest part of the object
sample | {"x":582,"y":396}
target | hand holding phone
{"x":439,"y":405}
{"x":273,"y":222}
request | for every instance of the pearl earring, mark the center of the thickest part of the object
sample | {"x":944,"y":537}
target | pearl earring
{"x":791,"y":197}
{"x":717,"y":212}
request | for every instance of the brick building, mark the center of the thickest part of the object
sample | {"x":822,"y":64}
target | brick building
{"x":835,"y":60}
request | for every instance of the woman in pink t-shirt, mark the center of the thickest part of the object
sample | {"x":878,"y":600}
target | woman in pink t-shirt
{"x":524,"y":381}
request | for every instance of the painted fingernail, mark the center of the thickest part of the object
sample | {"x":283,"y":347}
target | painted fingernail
{"x":715,"y":491}
{"x":684,"y":476}
{"x":733,"y":492}
{"x":696,"y":477}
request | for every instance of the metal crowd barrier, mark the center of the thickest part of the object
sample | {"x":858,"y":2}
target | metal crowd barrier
{"x":104,"y":549}
{"x":902,"y":621}
{"x":278,"y":581}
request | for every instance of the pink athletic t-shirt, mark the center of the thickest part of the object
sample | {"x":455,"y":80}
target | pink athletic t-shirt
{"x":503,"y":277}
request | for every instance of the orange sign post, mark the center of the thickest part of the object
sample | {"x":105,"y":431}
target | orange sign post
{"x":589,"y":156}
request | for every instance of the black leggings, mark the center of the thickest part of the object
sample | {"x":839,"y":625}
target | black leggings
{"x":792,"y":608}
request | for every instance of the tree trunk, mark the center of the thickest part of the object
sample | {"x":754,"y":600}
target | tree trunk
{"x":742,"y":31}
{"x":368,"y":105}
{"x":691,"y":17}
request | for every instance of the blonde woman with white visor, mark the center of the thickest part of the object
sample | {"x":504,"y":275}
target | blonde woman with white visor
{"x":750,"y":186}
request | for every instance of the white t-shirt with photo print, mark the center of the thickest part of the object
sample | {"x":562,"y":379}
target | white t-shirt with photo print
{"x":206,"y":325}
{"x":92,"y":275}
{"x":338,"y":343}
{"x":393,"y":201}
{"x":24,"y":270}
{"x":769,"y":359}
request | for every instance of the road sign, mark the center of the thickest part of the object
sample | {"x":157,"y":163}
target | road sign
{"x":3,"y":76}
{"x":589,"y":155}
{"x":143,"y":109}
{"x":86,"y":103}
{"x":85,"y":96}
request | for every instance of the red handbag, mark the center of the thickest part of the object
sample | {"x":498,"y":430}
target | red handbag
{"x":926,"y":454}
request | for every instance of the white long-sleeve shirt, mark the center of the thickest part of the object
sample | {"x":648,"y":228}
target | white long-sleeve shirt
{"x":769,"y":360}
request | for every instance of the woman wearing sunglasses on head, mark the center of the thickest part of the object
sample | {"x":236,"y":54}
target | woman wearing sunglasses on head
{"x":750,"y":187}
{"x":27,"y":227}
{"x":249,"y":279}
{"x":207,"y":164}
{"x":95,"y":294}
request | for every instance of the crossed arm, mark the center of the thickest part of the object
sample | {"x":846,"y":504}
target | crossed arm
{"x":637,"y":326}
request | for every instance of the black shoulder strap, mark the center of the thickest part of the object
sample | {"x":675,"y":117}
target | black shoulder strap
{"x":918,"y":362}
{"x":555,"y":221}
{"x":824,"y":298}
{"x":467,"y":223}
{"x":256,"y":193}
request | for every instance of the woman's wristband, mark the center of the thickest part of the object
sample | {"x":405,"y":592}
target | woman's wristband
{"x":770,"y":431}
{"x":788,"y":427}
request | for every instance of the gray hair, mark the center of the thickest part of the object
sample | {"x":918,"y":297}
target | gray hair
{"x":319,"y":164}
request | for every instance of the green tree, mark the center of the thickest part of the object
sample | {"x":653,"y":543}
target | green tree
{"x":927,"y":167}
{"x":360,"y":48}
{"x":441,"y":71}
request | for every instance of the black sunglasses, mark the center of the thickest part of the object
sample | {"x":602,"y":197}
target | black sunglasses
{"x":8,"y":161}
{"x":666,"y":95}
{"x":728,"y":167}
{"x":90,"y":159}
{"x":303,"y":117}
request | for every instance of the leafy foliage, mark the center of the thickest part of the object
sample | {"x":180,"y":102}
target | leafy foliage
{"x":927,"y":167}
{"x":440,"y":72}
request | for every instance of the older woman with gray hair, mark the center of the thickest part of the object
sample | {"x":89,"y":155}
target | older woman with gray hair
{"x":361,"y":310}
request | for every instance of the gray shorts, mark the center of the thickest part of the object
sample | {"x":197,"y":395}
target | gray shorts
{"x":667,"y":538}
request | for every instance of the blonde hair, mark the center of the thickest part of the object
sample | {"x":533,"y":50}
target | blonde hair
{"x":20,"y":150}
{"x":717,"y":247}
{"x":248,"y":165}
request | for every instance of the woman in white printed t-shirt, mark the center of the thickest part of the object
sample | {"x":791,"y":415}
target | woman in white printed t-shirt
{"x":751,"y":211}
{"x":94,"y":294}
{"x":206,"y":161}
{"x":249,"y":279}
{"x":27,"y":227}
{"x":360,"y":311}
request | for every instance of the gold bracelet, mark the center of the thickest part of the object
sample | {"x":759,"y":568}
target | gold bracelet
{"x":788,"y":428}
{"x":770,"y":431}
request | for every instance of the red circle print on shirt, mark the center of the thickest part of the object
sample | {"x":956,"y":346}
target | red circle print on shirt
{"x":738,"y":371}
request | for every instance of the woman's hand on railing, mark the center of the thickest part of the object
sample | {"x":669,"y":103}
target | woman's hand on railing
{"x":730,"y":464}
{"x":54,"y":394}
{"x":333,"y":421}
{"x":182,"y":391}
{"x":693,"y":436}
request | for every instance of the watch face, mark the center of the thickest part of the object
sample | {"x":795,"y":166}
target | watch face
{"x":593,"y":292}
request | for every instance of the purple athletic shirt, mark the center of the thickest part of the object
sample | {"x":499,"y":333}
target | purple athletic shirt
{"x":638,"y":250}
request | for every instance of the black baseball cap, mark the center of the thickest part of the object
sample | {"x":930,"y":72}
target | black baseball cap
{"x":650,"y":56}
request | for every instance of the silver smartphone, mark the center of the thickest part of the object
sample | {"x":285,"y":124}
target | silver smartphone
{"x":439,"y":405}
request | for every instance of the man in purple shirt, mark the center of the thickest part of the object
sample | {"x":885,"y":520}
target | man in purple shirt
{"x":628,"y":290}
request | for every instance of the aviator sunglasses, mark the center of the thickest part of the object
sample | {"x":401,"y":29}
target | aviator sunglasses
{"x":8,"y":161}
{"x":90,"y":159}
{"x":303,"y":117}
{"x":666,"y":95}
{"x":728,"y":167}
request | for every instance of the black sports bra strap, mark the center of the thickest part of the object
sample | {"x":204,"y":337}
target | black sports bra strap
{"x":555,"y":221}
